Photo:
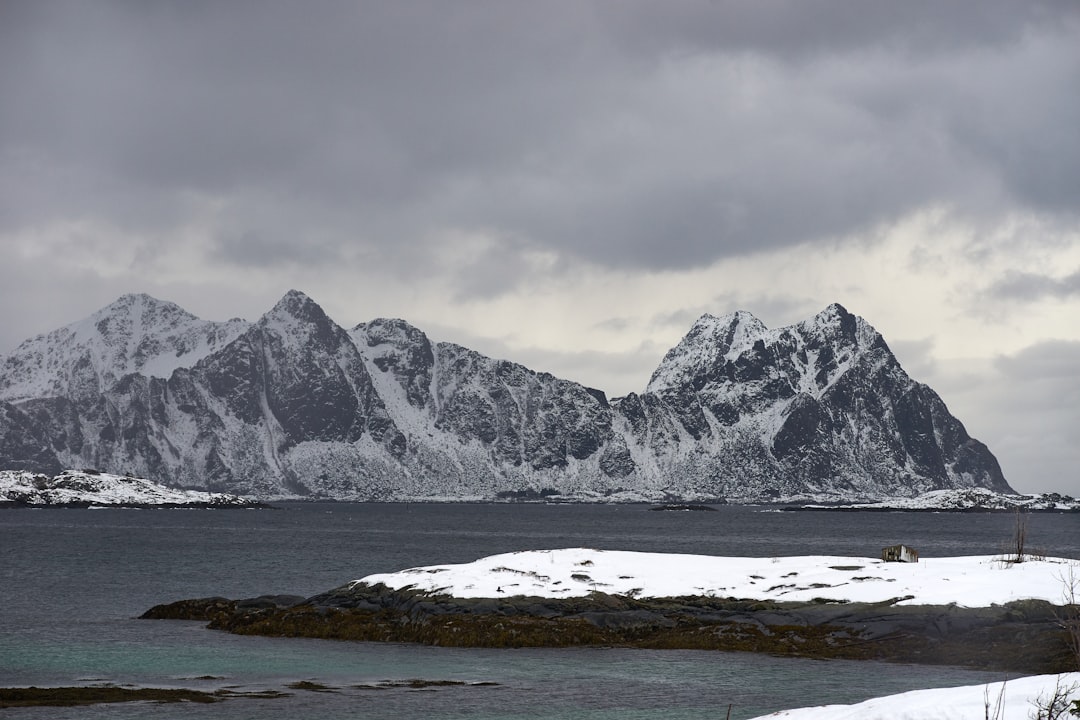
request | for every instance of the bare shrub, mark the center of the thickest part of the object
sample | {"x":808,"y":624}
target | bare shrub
{"x":1015,"y":549}
{"x":1019,"y":542}
{"x":996,"y":711}
{"x":1053,"y":704}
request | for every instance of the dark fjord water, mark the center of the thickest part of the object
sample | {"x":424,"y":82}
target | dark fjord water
{"x":72,"y":582}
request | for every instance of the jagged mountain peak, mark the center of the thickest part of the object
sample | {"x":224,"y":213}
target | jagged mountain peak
{"x":833,"y":312}
{"x":713,"y":341}
{"x":401,"y":350}
{"x":708,"y":341}
{"x":295,"y":304}
{"x":299,"y":321}
{"x":835,"y":323}
{"x":730,"y":331}
{"x":141,"y":300}
{"x":133,"y":311}
{"x":387,"y":330}
{"x":134,"y":314}
{"x":135,"y":333}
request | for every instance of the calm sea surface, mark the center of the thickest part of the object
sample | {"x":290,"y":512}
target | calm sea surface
{"x":72,"y":582}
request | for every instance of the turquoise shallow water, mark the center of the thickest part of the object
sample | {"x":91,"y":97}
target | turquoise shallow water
{"x":72,"y":582}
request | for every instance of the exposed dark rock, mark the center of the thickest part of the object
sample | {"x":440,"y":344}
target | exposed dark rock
{"x":195,"y":609}
{"x":1022,"y":636}
{"x":24,"y":442}
{"x":99,"y":694}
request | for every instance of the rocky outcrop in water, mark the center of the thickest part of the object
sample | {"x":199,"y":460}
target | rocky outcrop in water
{"x":1023,"y":636}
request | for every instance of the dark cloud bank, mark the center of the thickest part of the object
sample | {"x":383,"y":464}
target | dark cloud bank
{"x":297,"y":138}
{"x":627,"y":134}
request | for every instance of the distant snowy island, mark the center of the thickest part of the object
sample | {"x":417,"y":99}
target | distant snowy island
{"x":974,"y":499}
{"x":90,"y":488}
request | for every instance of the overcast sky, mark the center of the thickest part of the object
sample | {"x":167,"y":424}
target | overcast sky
{"x":570,"y":184}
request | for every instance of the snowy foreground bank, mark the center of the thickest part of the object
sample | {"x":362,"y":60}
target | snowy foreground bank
{"x":1010,"y":700}
{"x":972,"y":582}
{"x":979,"y":581}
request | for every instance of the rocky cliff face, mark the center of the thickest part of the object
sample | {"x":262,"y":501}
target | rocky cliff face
{"x":295,"y":405}
{"x":821,"y":408}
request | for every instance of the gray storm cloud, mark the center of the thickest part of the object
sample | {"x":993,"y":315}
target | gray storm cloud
{"x":568,"y":183}
{"x":625,"y":134}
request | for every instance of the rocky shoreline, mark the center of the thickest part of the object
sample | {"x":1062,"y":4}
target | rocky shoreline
{"x":22,"y":697}
{"x":86,"y":504}
{"x":1020,"y":637}
{"x":896,"y":509}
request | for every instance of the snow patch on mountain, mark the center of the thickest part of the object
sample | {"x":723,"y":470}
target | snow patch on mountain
{"x":710,"y":341}
{"x":135,"y":334}
{"x":1011,"y":699}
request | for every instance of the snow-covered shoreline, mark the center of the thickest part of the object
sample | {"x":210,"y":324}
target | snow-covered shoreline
{"x":975,"y":499}
{"x":977,"y":581}
{"x":972,"y":582}
{"x":1011,"y":699}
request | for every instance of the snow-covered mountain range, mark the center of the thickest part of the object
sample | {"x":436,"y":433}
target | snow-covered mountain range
{"x":294,"y":405}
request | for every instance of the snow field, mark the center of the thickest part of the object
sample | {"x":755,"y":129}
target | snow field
{"x":971,"y":702}
{"x":978,"y":581}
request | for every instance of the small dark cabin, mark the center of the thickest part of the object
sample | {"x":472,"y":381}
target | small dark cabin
{"x":900,"y":553}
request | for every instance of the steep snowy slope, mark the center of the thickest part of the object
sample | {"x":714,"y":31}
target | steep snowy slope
{"x":479,"y":427}
{"x":135,"y":334}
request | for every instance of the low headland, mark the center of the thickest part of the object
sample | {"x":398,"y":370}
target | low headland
{"x":980,"y":612}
